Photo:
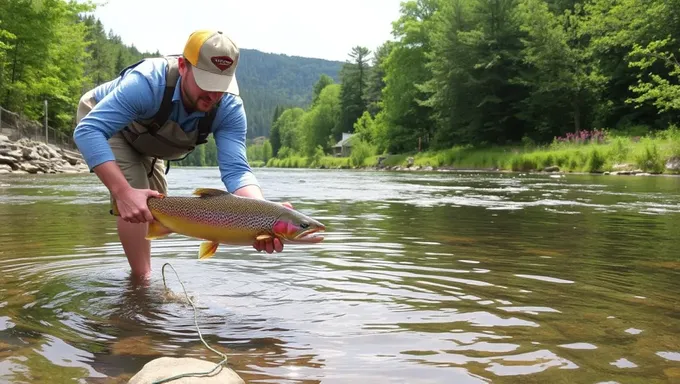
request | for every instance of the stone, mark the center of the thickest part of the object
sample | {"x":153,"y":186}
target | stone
{"x":673,"y":164}
{"x":26,"y":156}
{"x":10,"y":161}
{"x":166,"y":367}
{"x":29,"y":167}
{"x":622,"y":167}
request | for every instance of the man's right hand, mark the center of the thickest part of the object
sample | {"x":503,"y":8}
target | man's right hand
{"x":132,"y":204}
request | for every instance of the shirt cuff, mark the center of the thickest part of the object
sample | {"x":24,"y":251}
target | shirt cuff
{"x":235,"y":182}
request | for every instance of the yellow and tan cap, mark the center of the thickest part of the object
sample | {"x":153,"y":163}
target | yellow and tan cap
{"x":214,"y":57}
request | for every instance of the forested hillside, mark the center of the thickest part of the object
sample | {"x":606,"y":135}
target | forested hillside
{"x":267,"y":80}
{"x":50,"y":50}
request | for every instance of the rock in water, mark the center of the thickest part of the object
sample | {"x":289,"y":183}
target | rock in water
{"x":166,"y":367}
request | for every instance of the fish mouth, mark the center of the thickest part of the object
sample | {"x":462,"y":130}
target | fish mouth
{"x":311,"y":235}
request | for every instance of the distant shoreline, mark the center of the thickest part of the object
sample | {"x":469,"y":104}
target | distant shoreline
{"x":617,"y":156}
{"x":417,"y":169}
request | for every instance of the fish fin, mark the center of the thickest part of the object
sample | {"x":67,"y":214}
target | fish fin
{"x":157,"y":230}
{"x":207,"y":249}
{"x":210,"y":192}
{"x":263,"y":237}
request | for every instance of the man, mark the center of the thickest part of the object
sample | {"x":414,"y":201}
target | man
{"x":160,"y":109}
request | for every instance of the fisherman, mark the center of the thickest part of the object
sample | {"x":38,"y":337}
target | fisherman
{"x":157,"y":110}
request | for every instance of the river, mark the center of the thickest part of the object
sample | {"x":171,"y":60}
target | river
{"x":423,"y":278}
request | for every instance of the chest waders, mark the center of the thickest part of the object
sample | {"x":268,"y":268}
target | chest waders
{"x":165,"y":139}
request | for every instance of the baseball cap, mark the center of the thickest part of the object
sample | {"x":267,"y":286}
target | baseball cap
{"x":213,"y":57}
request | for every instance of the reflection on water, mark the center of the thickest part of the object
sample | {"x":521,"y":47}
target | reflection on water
{"x":427,"y":278}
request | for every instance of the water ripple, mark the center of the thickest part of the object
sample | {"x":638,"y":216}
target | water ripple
{"x":452,"y":277}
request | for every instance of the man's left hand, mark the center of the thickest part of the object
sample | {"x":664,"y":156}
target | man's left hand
{"x":271,"y":245}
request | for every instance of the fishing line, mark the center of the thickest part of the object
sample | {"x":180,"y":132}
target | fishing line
{"x":217,"y":365}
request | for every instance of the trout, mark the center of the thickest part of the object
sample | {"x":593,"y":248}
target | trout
{"x":220,"y":217}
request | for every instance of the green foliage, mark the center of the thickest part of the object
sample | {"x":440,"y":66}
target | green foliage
{"x":55,"y":50}
{"x":322,"y":119}
{"x":354,"y":76}
{"x":647,"y":156}
{"x":459,"y":81}
{"x":317,"y":157}
{"x":259,"y":152}
{"x":268,"y":80}
{"x":361,"y":150}
{"x":663,"y":92}
{"x":289,"y":129}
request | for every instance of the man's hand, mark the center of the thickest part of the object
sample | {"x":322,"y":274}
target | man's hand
{"x":132,"y":205}
{"x":271,"y":245}
{"x":130,"y":202}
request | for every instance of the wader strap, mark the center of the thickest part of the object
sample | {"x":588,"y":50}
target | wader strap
{"x":153,"y":164}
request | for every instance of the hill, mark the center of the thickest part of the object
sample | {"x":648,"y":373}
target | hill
{"x":81,"y":54}
{"x":268,"y":79}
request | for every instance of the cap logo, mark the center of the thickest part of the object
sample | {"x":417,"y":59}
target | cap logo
{"x":222,"y":62}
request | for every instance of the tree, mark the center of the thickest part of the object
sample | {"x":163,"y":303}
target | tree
{"x":324,"y":80}
{"x":354,"y":77}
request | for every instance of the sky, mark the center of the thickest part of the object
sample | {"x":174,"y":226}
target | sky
{"x":326,"y":29}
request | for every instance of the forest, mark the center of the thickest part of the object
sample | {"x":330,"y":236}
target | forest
{"x":56,"y":50}
{"x":513,"y":84}
{"x":459,"y":77}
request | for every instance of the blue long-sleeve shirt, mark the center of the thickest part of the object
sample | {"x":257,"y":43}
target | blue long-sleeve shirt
{"x":138,"y":95}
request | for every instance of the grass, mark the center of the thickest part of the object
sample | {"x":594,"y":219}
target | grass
{"x":309,"y":162}
{"x":616,"y":153}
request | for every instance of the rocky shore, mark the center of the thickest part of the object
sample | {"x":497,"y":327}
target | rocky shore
{"x":26,"y":156}
{"x":672,"y":167}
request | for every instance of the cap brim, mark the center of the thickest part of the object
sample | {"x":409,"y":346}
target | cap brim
{"x":213,"y":82}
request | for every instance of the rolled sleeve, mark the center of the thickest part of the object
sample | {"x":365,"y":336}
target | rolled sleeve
{"x":230,"y":140}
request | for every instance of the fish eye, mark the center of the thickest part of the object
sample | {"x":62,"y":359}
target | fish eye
{"x":304,"y":225}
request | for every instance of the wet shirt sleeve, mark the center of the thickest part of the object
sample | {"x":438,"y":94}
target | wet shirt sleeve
{"x":229,"y":132}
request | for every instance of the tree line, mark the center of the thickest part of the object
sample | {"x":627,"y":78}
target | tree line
{"x":56,"y":50}
{"x":457,"y":72}
{"x":497,"y":72}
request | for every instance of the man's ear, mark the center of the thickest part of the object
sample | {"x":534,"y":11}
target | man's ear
{"x":182,"y":66}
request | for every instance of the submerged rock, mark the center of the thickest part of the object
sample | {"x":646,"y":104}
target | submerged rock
{"x":165,"y":367}
{"x":32,"y":157}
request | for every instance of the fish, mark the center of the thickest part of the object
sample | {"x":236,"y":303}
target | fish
{"x":220,"y":217}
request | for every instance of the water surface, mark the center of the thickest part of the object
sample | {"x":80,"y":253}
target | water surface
{"x":423,"y":278}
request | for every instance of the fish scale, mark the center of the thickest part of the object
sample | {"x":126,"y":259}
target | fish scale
{"x":225,"y":210}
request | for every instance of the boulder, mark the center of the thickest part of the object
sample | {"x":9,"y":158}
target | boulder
{"x":26,"y":156}
{"x":673,"y":164}
{"x":166,"y":367}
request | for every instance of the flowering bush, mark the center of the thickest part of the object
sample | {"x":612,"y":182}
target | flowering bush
{"x":583,"y":137}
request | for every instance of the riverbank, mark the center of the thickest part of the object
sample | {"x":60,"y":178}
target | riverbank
{"x":658,"y":154}
{"x":26,"y":156}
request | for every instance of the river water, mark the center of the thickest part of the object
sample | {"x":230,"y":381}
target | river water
{"x":422,"y":278}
